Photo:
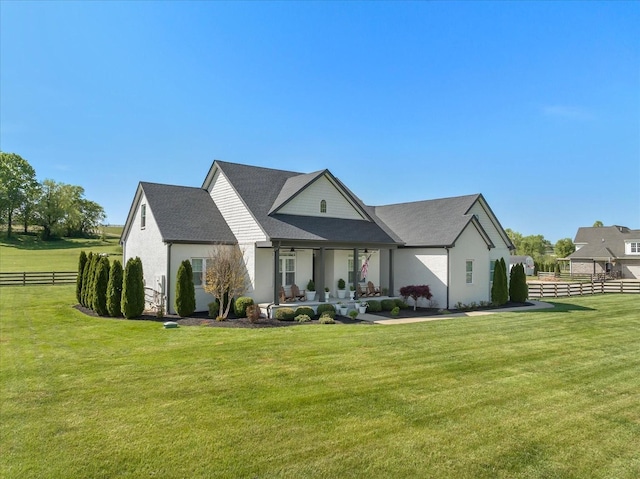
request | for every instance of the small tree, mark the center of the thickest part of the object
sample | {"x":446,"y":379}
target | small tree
{"x":518,"y":289}
{"x":226,"y":275}
{"x":82,"y":261}
{"x":114,"y":289}
{"x":416,"y":292}
{"x":185,"y":290}
{"x":100,"y":286}
{"x":133,"y":289}
{"x":85,"y":279}
{"x":499,"y":289}
{"x":88,"y":286}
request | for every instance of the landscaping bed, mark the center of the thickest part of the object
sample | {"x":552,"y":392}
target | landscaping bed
{"x":426,"y":312}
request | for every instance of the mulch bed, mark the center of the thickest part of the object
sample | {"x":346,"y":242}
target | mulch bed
{"x":426,"y":312}
{"x":202,"y":319}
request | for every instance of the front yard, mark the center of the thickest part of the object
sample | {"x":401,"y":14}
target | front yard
{"x":550,"y":393}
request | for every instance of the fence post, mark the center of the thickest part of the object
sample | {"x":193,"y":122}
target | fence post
{"x":53,"y":277}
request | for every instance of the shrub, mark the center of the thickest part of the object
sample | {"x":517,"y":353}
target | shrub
{"x":499,"y":288}
{"x":331,"y":314}
{"x":395,"y":311}
{"x":253,"y":313}
{"x":416,"y":292}
{"x":322,"y":308}
{"x":114,"y":289}
{"x":85,"y":280}
{"x":305,"y":310}
{"x":374,"y":306}
{"x":100,"y":286}
{"x":341,"y":284}
{"x":303,"y":318}
{"x":353,"y":314}
{"x":401,"y":304}
{"x":88,"y":283}
{"x":387,"y":304}
{"x":241,"y":306}
{"x":326,"y":319}
{"x":311,"y":286}
{"x":285,"y":314}
{"x":214,"y":309}
{"x":518,"y":289}
{"x":185,"y":290}
{"x":133,"y":289}
{"x":82,"y":261}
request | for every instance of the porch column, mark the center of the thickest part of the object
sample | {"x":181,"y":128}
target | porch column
{"x":356,"y":262}
{"x":320,"y":271}
{"x":276,"y":275}
{"x":391,"y":287}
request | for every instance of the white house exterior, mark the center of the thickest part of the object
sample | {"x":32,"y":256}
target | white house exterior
{"x":293,"y":227}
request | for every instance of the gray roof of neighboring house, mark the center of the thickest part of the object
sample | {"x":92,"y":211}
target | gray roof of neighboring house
{"x":264,"y":190}
{"x":603,"y":242}
{"x":186,"y":214}
{"x":430,"y":223}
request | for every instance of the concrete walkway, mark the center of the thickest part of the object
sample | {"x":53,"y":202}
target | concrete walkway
{"x":377,"y":319}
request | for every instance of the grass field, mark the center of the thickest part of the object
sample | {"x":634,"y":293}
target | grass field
{"x":30,"y":253}
{"x":544,"y":394}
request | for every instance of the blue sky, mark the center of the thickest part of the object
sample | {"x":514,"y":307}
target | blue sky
{"x":534,"y":105}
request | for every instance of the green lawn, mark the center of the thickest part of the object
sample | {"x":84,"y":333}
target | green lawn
{"x":29,"y":253}
{"x":543,"y":394}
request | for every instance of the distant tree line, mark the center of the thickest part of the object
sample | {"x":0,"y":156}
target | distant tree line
{"x":58,"y":209}
{"x":540,"y":249}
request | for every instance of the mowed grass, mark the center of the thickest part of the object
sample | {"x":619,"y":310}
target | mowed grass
{"x":553,"y":393}
{"x":29,"y":253}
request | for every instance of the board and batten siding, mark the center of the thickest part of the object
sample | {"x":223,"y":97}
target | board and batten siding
{"x":307,"y":203}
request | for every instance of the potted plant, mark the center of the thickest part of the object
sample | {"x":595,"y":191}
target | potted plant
{"x":311,"y":290}
{"x":342,"y":292}
{"x":362,"y":307}
{"x":352,"y":291}
{"x":343,"y":308}
{"x":327,"y":294}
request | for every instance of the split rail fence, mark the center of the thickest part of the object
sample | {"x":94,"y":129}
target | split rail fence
{"x":37,"y":278}
{"x":560,"y":289}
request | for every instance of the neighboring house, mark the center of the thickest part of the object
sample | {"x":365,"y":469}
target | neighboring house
{"x":293,"y":227}
{"x":607,"y":249}
{"x":527,"y":262}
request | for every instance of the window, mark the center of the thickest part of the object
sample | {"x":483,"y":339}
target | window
{"x":323,"y":206}
{"x":288,"y":269}
{"x":492,"y":269}
{"x":197,"y":265}
{"x":359,"y":277}
{"x":635,"y":247}
{"x":143,"y":216}
{"x":469,"y":269}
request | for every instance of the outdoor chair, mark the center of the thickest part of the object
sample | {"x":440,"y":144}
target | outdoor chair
{"x":362,"y":292}
{"x":283,"y":296}
{"x":372,"y":290}
{"x":295,"y":292}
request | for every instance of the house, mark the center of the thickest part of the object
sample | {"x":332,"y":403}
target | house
{"x":294,"y":226}
{"x":613,"y":250}
{"x":526,"y":261}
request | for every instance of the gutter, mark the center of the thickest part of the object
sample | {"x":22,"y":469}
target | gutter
{"x":168,"y":280}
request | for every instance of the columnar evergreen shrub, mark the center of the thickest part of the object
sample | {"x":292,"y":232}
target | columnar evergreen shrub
{"x":241,"y":306}
{"x":133,"y":289}
{"x":518,"y":289}
{"x":114,"y":289}
{"x":185,"y":290}
{"x":100,"y":286}
{"x":91,"y":280}
{"x":499,"y":289}
{"x":85,"y":280}
{"x":82,"y":261}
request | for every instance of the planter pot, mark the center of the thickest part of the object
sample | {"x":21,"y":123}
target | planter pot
{"x":362,"y":309}
{"x":327,"y":295}
{"x":311,"y":295}
{"x":352,"y":295}
{"x":343,"y":310}
{"x":342,"y":293}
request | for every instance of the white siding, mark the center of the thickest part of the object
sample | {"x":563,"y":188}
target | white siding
{"x":180,"y":252}
{"x":307,"y":203}
{"x":469,"y":246}
{"x":490,"y":225}
{"x":417,"y":266}
{"x":234,"y":211}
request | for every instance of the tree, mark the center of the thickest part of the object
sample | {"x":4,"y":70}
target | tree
{"x":185,"y":290}
{"x":416,"y":292}
{"x":515,"y":237}
{"x":564,"y":247}
{"x":114,"y":289}
{"x":226,"y":275}
{"x":17,"y":179}
{"x":499,"y":288}
{"x":85,"y":280}
{"x":598,"y":224}
{"x":52,"y":207}
{"x":100,"y":286}
{"x":82,"y":261}
{"x":133,"y":289}
{"x":518,"y":289}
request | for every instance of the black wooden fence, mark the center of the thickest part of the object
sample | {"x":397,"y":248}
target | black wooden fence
{"x":36,"y":278}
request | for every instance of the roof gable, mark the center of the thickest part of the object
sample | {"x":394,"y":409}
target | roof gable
{"x":602,"y":242}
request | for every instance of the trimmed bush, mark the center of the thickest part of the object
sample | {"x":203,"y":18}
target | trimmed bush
{"x":85,"y":280}
{"x":114,"y":289}
{"x":331,"y":314}
{"x":374,"y":306}
{"x":327,"y":319}
{"x":395,"y":311}
{"x":100,"y":286}
{"x":285,"y":314}
{"x":185,"y":290}
{"x":326,"y":307}
{"x":241,"y":306}
{"x":303,"y":318}
{"x":305,"y":310}
{"x":353,"y":314}
{"x":388,"y":304}
{"x":341,"y":284}
{"x":214,"y":309}
{"x":499,"y":289}
{"x":82,"y":261}
{"x":518,"y":289}
{"x":133,"y":289}
{"x":401,"y":304}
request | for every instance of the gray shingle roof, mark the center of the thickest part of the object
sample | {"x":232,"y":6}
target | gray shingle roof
{"x":186,"y":214}
{"x":603,"y":242}
{"x":263,"y":188}
{"x":429,"y":223}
